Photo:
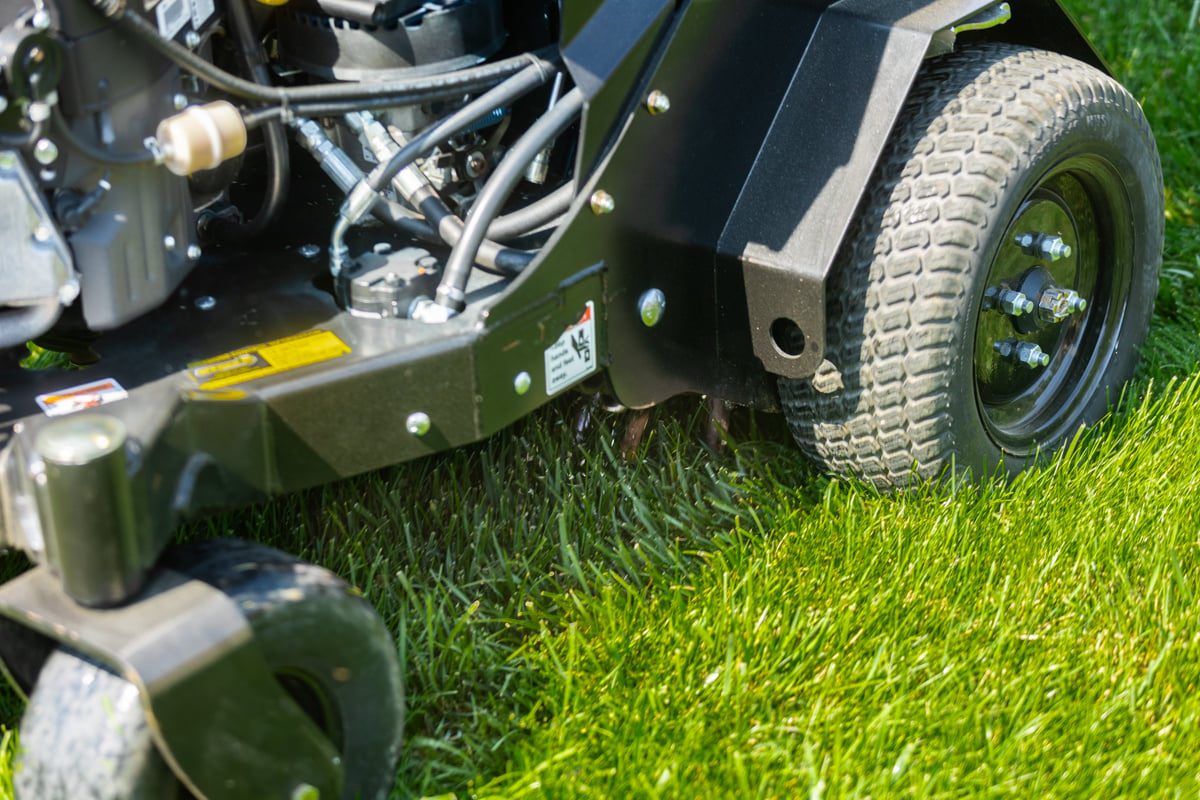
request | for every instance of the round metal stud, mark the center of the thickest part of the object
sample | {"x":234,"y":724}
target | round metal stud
{"x":522,"y":383}
{"x":651,"y":307}
{"x":418,"y":423}
{"x":603,"y":203}
{"x":658,"y":103}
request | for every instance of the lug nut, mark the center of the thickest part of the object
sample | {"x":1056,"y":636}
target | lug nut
{"x":1015,"y":304}
{"x":1053,"y":248}
{"x":1031,"y":355}
{"x":1057,"y":304}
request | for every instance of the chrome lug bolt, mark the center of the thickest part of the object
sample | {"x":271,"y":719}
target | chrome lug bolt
{"x":1053,"y":248}
{"x":1015,"y":304}
{"x":1031,"y":355}
{"x":1047,"y":246}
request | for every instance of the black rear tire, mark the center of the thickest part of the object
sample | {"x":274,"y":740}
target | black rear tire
{"x":928,"y":373}
{"x":84,"y":734}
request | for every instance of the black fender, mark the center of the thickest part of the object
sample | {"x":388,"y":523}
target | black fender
{"x":816,"y":162}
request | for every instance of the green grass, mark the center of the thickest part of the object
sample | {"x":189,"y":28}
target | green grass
{"x":690,"y":624}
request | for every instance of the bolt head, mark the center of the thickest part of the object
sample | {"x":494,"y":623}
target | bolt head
{"x":477,"y":164}
{"x":658,"y":103}
{"x":169,"y":242}
{"x":8,"y":160}
{"x":194,"y":252}
{"x":45,"y":152}
{"x":651,"y":307}
{"x":309,"y":250}
{"x":603,"y":203}
{"x":522,"y":383}
{"x":40,"y":19}
{"x":42,"y":233}
{"x":418,"y":423}
{"x":179,"y":101}
{"x":68,"y":292}
{"x":206,"y":302}
{"x":191,"y":39}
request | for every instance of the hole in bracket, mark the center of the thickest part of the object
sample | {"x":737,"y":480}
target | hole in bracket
{"x":787,"y":338}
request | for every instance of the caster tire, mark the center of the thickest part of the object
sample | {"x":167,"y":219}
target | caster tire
{"x":997,"y":289}
{"x":84,"y":735}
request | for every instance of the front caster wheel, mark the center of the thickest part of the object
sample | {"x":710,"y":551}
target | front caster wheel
{"x":85,"y":736}
{"x":1000,"y":282}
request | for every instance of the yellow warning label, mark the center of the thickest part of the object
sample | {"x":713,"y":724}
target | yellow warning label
{"x":266,"y":359}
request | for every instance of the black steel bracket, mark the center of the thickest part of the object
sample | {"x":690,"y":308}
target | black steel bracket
{"x":816,"y":163}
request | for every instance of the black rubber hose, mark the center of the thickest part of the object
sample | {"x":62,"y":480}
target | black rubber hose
{"x":91,"y":152}
{"x":503,"y":260}
{"x":405,"y":91}
{"x":451,"y":292}
{"x":512,"y":89}
{"x":278,"y":160}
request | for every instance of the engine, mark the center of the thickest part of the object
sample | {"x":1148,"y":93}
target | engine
{"x":139,"y":136}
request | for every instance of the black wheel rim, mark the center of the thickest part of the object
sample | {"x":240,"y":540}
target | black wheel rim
{"x":1027,"y":399}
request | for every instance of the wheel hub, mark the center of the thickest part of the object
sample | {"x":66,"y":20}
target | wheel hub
{"x":1046,"y":317}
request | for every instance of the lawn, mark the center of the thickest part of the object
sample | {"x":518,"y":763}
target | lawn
{"x":686,"y":623}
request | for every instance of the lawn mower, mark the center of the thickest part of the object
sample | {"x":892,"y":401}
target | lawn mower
{"x":284,"y":242}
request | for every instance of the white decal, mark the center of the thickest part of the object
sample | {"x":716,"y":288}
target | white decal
{"x":78,"y":398}
{"x":573,"y":356}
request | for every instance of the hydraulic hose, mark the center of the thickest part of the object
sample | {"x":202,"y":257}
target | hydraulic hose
{"x":366,"y":195}
{"x":403,"y":91}
{"x":533,"y":216}
{"x":416,"y":188}
{"x":451,"y":292}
